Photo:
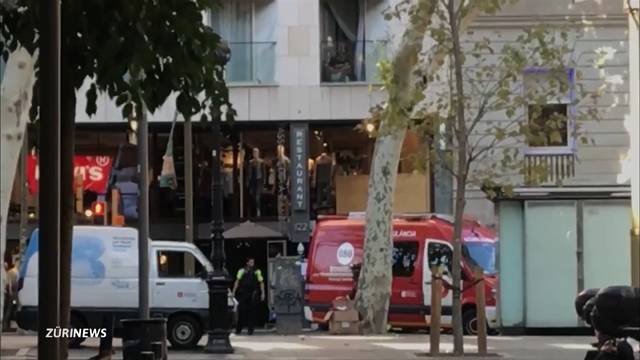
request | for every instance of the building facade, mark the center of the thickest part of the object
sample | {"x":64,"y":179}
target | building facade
{"x":598,"y":32}
{"x":293,"y":61}
{"x":554,"y":234}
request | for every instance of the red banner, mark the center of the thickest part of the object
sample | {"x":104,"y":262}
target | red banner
{"x":95,"y":171}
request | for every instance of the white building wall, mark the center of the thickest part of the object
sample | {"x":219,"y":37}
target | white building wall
{"x":297,"y":92}
{"x":602,"y":27}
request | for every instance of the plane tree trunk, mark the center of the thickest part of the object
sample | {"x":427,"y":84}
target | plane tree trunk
{"x":15,"y":103}
{"x":402,"y":85}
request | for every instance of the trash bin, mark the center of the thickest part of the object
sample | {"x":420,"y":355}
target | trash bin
{"x":142,"y":336}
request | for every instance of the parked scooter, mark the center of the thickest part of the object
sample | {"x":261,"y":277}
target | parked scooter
{"x":614,"y":314}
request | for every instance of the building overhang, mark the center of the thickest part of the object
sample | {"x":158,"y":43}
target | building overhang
{"x":566,"y":193}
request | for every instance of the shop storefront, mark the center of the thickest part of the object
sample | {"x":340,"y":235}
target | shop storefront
{"x":256,"y":172}
{"x":257,"y":178}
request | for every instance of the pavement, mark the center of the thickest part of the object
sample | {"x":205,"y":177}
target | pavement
{"x":321,"y":346}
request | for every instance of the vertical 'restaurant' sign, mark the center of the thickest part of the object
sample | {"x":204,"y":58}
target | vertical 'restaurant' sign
{"x":299,"y":182}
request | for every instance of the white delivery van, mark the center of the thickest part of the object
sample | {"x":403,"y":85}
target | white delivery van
{"x":104,"y":279}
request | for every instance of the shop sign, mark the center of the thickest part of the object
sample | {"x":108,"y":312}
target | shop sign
{"x":94,"y":170}
{"x":300,"y":168}
{"x":299,"y":220}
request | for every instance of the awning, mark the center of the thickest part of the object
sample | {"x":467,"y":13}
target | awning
{"x":249,"y":230}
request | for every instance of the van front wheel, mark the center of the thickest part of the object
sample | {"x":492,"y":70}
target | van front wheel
{"x":184,"y":331}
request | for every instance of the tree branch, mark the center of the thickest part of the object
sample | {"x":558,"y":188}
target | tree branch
{"x":495,"y":142}
{"x":635,"y":17}
{"x":475,"y":155}
{"x":448,"y":167}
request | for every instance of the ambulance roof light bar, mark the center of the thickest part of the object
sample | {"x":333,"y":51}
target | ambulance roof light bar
{"x":357,"y":215}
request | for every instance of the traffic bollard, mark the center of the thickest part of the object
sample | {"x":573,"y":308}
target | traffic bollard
{"x":481,"y":316}
{"x":436,"y":307}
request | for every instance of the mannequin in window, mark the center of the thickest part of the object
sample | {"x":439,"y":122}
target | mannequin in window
{"x":311,"y":166}
{"x":283,"y":165}
{"x":323,"y":179}
{"x":256,"y":179}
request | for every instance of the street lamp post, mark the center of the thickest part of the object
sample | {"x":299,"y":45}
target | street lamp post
{"x":49,"y":221}
{"x":219,"y":280}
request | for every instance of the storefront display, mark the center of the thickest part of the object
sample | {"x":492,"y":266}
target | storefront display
{"x":256,"y":171}
{"x":283,"y":165}
{"x":256,"y":178}
{"x":323,"y":181}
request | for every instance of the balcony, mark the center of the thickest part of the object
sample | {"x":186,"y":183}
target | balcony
{"x":549,"y":168}
{"x":251,"y":63}
{"x":351,"y":61}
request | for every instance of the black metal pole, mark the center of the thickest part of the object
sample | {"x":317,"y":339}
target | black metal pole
{"x":67,"y":192}
{"x":219,"y":281}
{"x":143,"y":212}
{"x":217,"y":221}
{"x":49,"y":220}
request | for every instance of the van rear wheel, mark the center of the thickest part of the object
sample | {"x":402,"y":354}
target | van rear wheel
{"x":76,"y":321}
{"x":184,"y":331}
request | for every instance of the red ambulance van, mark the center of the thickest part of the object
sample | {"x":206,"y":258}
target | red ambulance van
{"x":418,"y":241}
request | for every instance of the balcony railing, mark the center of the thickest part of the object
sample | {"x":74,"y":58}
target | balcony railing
{"x":251,"y":62}
{"x":545,"y":168}
{"x":348,"y":61}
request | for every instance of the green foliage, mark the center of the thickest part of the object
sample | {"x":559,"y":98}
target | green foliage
{"x":134,"y":50}
{"x":401,"y":79}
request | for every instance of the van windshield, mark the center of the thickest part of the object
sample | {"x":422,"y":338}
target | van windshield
{"x":482,"y":254}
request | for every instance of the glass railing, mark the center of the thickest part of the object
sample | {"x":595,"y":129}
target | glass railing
{"x":251,"y":62}
{"x":348,"y":61}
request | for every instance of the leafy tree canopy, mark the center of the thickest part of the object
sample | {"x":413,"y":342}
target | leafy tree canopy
{"x":133,"y":50}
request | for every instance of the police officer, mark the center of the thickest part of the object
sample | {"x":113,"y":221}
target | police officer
{"x":249,"y":286}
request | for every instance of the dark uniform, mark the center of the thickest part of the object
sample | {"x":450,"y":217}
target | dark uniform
{"x":248,"y":296}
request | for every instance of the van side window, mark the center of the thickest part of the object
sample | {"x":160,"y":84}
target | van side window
{"x":440,"y":254}
{"x":405,"y":254}
{"x":171,"y":264}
